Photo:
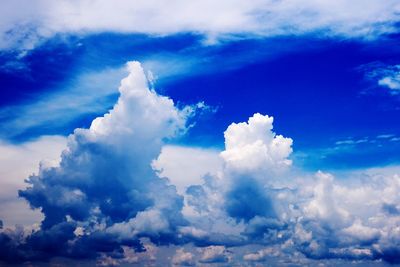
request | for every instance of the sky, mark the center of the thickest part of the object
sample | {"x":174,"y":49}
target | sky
{"x":200,"y":133}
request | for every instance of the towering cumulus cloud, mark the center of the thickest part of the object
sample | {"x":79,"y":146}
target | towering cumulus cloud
{"x":105,"y":179}
{"x":105,"y":201}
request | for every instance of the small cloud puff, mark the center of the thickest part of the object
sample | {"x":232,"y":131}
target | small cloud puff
{"x":253,"y":146}
{"x":387,"y":76}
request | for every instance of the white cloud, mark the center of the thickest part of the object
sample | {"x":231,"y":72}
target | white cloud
{"x":105,"y":174}
{"x":261,"y":255}
{"x":137,"y":106}
{"x":351,"y":219}
{"x":323,"y":205}
{"x":392,"y":79}
{"x":361,"y":233}
{"x":133,"y":257}
{"x":25,"y":22}
{"x":387,"y":76}
{"x":105,"y":188}
{"x":323,"y":216}
{"x":186,"y":166}
{"x":391,"y":82}
{"x":253,"y":146}
{"x":214,"y":254}
{"x":183,"y":258}
{"x":354,"y":216}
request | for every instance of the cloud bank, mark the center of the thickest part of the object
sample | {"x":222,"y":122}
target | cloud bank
{"x":24,"y":23}
{"x":113,"y":197}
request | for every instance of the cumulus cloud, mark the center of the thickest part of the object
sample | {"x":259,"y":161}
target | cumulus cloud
{"x":260,"y":255}
{"x":107,"y":198}
{"x":183,"y":258}
{"x":320,"y":216}
{"x":176,"y":164}
{"x":104,"y":185}
{"x":254,"y":157}
{"x":253,"y":146}
{"x":24,"y":23}
{"x":346,"y":221}
{"x":215,"y":254}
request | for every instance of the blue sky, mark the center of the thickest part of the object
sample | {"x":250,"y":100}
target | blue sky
{"x":321,"y":85}
{"x":169,"y":118}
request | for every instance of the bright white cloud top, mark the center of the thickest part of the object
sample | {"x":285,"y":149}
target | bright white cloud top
{"x":253,"y":146}
{"x":105,"y":201}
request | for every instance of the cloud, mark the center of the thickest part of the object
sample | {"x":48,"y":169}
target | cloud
{"x":347,"y":221}
{"x":64,"y":105}
{"x":254,"y":156}
{"x":215,"y":254}
{"x":28,"y":23}
{"x":392,"y":79}
{"x":252,"y":146}
{"x":104,"y":201}
{"x":176,"y":163}
{"x":321,"y":216}
{"x":104,"y":184}
{"x":260,"y":255}
{"x":18,"y":161}
{"x":387,"y":76}
{"x":182,"y":258}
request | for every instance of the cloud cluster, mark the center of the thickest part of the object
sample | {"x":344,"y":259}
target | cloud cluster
{"x":104,"y":193}
{"x":356,"y":221}
{"x":24,"y":23}
{"x":113,"y":198}
{"x":252,"y":201}
{"x":215,"y":254}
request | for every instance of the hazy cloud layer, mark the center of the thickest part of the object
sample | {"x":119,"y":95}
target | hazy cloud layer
{"x":24,"y":23}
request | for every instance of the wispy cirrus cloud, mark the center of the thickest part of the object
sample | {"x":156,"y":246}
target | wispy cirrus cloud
{"x":88,"y":94}
{"x":391,"y":79}
{"x":385,"y":76}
